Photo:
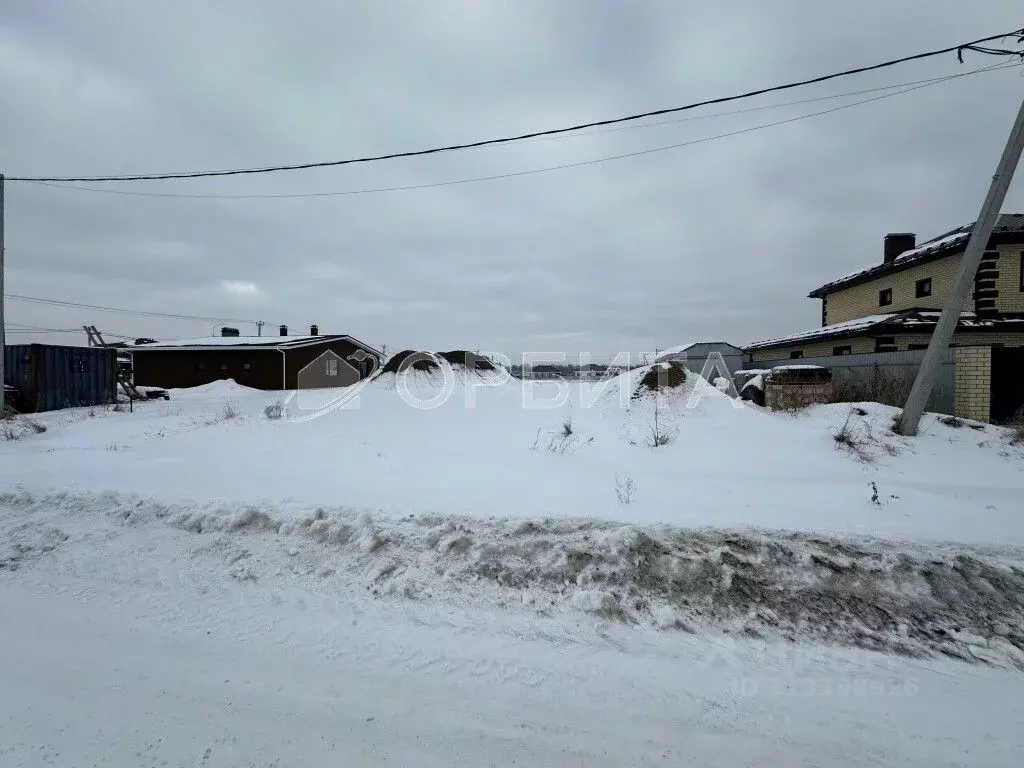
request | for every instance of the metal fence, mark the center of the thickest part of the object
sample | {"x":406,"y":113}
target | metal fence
{"x":882,"y":377}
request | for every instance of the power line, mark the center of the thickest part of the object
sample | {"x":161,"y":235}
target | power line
{"x":19,"y":328}
{"x":512,"y":174}
{"x":975,"y":45}
{"x":78,"y":305}
{"x":780,"y":105}
{"x":44,"y":330}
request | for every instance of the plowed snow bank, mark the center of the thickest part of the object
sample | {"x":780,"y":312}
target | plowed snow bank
{"x":955,"y":601}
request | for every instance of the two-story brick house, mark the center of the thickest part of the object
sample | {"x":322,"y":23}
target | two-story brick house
{"x":894,"y":305}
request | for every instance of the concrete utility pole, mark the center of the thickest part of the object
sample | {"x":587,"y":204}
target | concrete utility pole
{"x":943,"y":334}
{"x":3,"y":333}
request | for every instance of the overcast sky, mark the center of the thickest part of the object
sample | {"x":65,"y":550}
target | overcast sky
{"x":717,"y":241}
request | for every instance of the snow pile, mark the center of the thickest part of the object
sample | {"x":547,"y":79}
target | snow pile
{"x":954,"y":601}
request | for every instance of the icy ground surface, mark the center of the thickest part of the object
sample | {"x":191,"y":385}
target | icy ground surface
{"x":133,"y":640}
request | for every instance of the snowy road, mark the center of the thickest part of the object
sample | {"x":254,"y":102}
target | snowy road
{"x":102,"y":682}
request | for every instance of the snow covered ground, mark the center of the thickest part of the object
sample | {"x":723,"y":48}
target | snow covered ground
{"x":496,"y":451}
{"x":479,"y":583}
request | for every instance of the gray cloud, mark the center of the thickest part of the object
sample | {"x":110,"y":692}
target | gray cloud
{"x":718,"y":240}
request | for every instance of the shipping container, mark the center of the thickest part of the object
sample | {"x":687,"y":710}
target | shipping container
{"x":48,"y":377}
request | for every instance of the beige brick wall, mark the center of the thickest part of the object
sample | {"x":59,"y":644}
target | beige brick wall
{"x":862,"y":300}
{"x":974,"y":339}
{"x":818,"y":349}
{"x":784,"y":397}
{"x":973,"y":382}
{"x":1010,"y":298}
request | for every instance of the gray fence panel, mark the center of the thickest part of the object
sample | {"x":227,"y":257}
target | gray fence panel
{"x":884,"y":377}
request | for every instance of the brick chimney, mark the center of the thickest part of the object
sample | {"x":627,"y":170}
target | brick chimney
{"x":225,"y":331}
{"x":897,"y":243}
{"x":314,"y":330}
{"x":283,"y":330}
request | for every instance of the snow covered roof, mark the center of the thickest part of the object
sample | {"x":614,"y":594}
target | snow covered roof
{"x":682,"y":348}
{"x":1008,"y":223}
{"x":674,"y":350}
{"x":910,"y":320}
{"x":249,"y":342}
{"x":860,"y":324}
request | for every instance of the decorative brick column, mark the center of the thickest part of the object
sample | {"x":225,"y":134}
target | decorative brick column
{"x":973,"y":382}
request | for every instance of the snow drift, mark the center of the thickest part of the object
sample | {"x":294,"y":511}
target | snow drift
{"x":954,"y":601}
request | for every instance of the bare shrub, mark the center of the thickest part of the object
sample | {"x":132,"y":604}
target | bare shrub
{"x":567,"y":427}
{"x":951,"y":421}
{"x":855,"y":438}
{"x":560,"y":442}
{"x":658,"y":434}
{"x":274,"y":410}
{"x":883,"y":387}
{"x":625,"y":489}
{"x":1017,"y":427}
{"x":228,"y":412}
{"x":659,"y":437}
{"x":15,"y":426}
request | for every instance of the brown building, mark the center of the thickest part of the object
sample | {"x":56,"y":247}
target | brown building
{"x":261,"y":362}
{"x":893,"y":306}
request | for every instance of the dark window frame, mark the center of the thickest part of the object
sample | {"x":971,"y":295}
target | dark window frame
{"x":886,"y":344}
{"x":885,"y":297}
{"x":1022,"y":271}
{"x":796,"y":354}
{"x":915,"y":347}
{"x":844,"y":349}
{"x":921,"y":285}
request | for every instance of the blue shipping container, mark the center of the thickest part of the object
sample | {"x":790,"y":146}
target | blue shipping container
{"x":49,"y":377}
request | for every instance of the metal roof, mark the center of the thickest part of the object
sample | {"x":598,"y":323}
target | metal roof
{"x":245,"y":342}
{"x":909,"y":321}
{"x":954,"y":240}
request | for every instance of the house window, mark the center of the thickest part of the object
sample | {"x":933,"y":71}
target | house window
{"x":246,"y":366}
{"x":913,"y":347}
{"x":1022,"y":270}
{"x":846,"y":349}
{"x":332,"y":366}
{"x":923,"y":288}
{"x":885,"y":297}
{"x":885,"y":344}
{"x":796,"y":355}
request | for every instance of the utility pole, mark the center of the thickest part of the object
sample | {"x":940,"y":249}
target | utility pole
{"x":3,"y":333}
{"x":943,"y":334}
{"x":259,"y":327}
